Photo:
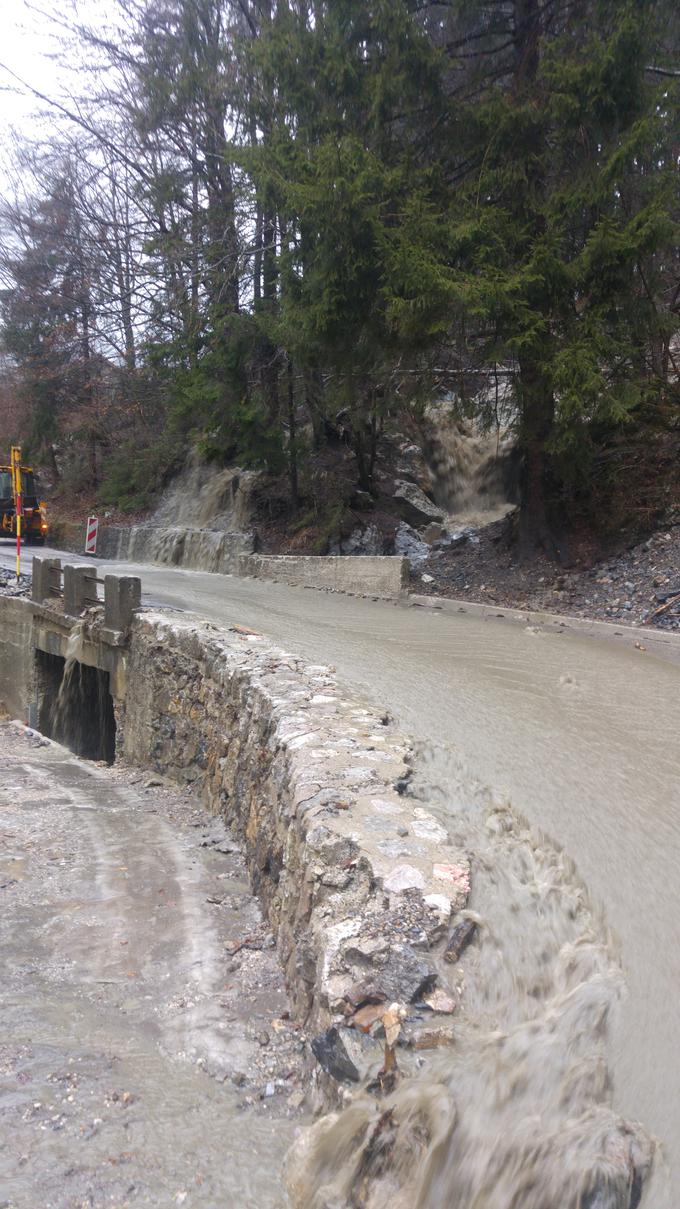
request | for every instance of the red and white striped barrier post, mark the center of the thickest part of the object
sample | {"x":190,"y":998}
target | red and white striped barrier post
{"x":91,"y":535}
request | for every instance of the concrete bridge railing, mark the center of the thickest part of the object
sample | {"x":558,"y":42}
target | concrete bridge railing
{"x":77,"y":587}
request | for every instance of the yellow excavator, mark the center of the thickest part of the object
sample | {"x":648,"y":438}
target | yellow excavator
{"x":19,"y":492}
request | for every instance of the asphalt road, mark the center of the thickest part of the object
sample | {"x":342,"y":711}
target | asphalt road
{"x":579,"y":733}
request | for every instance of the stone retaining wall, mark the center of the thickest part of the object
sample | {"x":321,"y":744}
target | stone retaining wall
{"x":359,"y":882}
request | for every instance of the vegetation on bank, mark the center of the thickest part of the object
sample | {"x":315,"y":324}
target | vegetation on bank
{"x":274,"y":227}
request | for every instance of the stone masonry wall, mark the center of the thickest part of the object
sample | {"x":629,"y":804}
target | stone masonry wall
{"x":359,"y":882}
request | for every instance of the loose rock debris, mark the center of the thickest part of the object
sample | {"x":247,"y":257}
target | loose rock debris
{"x":9,"y":586}
{"x":459,"y":939}
{"x":640,"y":585}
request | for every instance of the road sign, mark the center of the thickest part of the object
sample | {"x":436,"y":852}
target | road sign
{"x":91,"y":535}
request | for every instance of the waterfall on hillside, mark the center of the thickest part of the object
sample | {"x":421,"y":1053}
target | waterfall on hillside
{"x":205,"y":496}
{"x":473,"y":473}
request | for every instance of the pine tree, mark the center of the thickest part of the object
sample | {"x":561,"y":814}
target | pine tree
{"x":563,"y":198}
{"x":355,"y":196}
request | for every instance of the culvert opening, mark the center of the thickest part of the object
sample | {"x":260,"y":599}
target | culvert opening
{"x":76,"y":707}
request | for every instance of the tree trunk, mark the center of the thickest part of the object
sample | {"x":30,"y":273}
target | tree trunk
{"x":222,"y":261}
{"x":86,"y":352}
{"x":536,"y":400}
{"x":94,"y":473}
{"x":364,"y":477}
{"x":526,"y":35}
{"x":270,"y":370}
{"x":292,"y":439}
{"x":538,"y":410}
{"x":313,"y":402}
{"x":364,"y":443}
{"x":195,"y":305}
{"x":122,"y":269}
{"x":257,"y":259}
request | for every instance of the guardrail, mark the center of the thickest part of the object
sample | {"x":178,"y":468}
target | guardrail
{"x":77,"y":588}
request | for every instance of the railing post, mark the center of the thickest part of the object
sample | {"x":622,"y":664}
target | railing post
{"x":46,"y":580}
{"x":122,"y":595}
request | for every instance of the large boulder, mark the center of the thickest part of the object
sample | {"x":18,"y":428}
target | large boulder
{"x":414,"y":506}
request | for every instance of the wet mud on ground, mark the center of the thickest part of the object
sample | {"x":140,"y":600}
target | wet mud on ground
{"x":147,"y":1056}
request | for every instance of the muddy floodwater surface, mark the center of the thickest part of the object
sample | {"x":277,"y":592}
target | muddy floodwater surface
{"x":147,"y":1056}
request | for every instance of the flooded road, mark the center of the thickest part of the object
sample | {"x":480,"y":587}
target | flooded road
{"x":138,"y":1064}
{"x":578,"y":733}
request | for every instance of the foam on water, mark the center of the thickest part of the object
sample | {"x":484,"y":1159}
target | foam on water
{"x":517,"y":1114}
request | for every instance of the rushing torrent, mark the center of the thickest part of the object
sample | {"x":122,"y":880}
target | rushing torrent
{"x":473,"y":473}
{"x":79,"y":713}
{"x":517,"y":1114}
{"x":580,"y":731}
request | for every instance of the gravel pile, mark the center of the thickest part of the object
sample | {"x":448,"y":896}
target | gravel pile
{"x":9,"y":585}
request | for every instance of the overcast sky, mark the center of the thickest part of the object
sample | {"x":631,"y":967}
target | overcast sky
{"x":25,"y":47}
{"x":29,"y":47}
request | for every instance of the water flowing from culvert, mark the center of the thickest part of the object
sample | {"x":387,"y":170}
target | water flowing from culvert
{"x":517,"y":1114}
{"x":81,"y":715}
{"x":70,"y":677}
{"x":473,"y":472}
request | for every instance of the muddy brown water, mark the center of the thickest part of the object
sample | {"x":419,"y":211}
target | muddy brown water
{"x":132,"y":1069}
{"x":519,"y":1112}
{"x":471,"y":471}
{"x":578,"y":734}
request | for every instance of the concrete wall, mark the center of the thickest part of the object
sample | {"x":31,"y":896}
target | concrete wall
{"x":16,"y":656}
{"x":362,"y":575}
{"x":232,"y":553}
{"x":26,"y":628}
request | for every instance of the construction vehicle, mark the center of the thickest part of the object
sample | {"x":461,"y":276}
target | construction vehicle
{"x":19,"y":490}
